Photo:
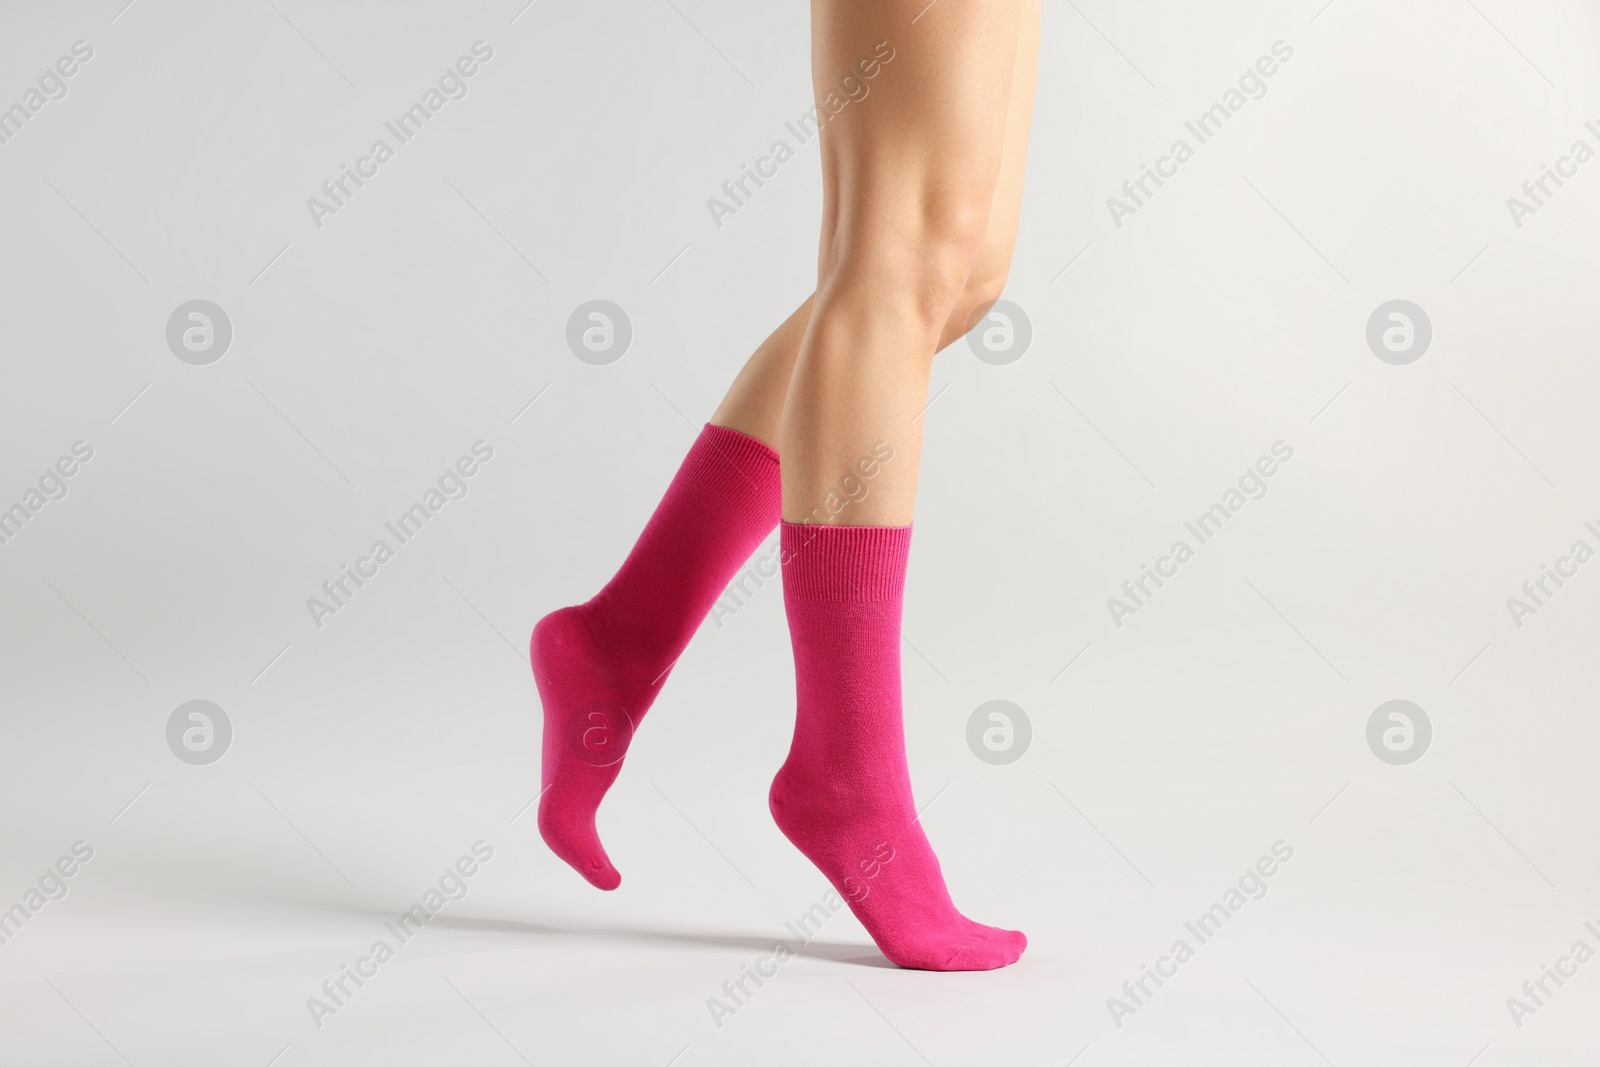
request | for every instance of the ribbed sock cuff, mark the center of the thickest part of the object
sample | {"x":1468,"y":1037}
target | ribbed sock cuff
{"x":856,"y":564}
{"x":737,"y":468}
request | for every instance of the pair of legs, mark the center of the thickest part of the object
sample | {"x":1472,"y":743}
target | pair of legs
{"x":922,"y":189}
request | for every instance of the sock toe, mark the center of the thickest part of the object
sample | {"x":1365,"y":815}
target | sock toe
{"x":1016,"y":943}
{"x":992,"y":949}
{"x":601,"y":874}
{"x":592,"y":863}
{"x":579,"y":846}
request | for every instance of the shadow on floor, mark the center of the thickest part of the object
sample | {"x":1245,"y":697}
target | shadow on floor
{"x":833,"y":951}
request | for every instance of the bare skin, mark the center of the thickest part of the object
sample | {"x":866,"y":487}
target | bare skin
{"x":755,"y":403}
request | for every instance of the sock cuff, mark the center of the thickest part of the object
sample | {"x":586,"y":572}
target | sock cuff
{"x":844,"y":563}
{"x":736,"y":467}
{"x":738,"y":444}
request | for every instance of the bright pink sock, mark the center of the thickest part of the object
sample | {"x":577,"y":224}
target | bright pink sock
{"x":599,"y":665}
{"x":844,"y":795}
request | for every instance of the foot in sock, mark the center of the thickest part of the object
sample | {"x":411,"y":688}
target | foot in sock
{"x":843,"y":797}
{"x":600,"y":664}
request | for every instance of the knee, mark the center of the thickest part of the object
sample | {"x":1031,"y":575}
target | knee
{"x":983,"y":288}
{"x":917,"y":265}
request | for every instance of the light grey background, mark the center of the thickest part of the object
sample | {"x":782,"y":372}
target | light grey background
{"x":1167,"y":355}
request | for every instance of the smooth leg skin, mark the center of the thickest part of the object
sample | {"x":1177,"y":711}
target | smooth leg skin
{"x":908,"y":179}
{"x":909,"y":176}
{"x":993,"y":263}
{"x":754,"y":403}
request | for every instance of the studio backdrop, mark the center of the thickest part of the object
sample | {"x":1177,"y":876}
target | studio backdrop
{"x":1250,"y":620}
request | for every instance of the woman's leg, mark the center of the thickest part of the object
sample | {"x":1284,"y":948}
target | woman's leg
{"x":909,"y":179}
{"x":599,"y":665}
{"x":754,"y":403}
{"x":992,"y":265}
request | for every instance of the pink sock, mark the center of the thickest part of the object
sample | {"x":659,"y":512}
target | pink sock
{"x":599,"y":665}
{"x":844,"y":795}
